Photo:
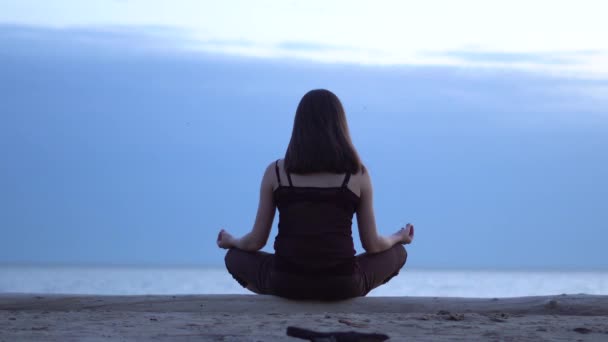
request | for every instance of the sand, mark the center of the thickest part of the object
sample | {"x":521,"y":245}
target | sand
{"x":25,"y":317}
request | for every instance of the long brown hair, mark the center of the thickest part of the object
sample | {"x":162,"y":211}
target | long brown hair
{"x":320,"y":140}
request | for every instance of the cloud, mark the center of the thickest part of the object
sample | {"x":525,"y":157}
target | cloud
{"x":229,"y":42}
{"x":311,"y":46}
{"x":150,"y":40}
{"x":164,"y":39}
{"x":500,"y":57}
{"x":129,"y":39}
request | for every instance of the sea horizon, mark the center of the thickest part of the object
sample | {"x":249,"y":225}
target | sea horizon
{"x":148,"y":265}
{"x":186,"y":279}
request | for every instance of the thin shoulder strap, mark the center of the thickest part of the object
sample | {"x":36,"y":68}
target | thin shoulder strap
{"x":346,"y":179}
{"x":289,"y":178}
{"x":276,"y":168}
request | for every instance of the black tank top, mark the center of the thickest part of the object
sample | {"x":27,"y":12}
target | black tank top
{"x":315,"y":229}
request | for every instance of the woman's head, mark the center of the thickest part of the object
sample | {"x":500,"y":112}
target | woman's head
{"x":320,"y":140}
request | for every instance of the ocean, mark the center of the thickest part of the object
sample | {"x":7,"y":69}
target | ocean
{"x":123,"y":280}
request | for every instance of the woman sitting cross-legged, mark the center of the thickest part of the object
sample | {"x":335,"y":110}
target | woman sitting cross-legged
{"x":317,"y":188}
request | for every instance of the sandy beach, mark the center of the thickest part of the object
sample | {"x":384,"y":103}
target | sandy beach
{"x":27,"y":317}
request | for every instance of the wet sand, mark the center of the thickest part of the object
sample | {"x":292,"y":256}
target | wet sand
{"x":27,"y":317}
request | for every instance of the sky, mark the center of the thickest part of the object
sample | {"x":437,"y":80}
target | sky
{"x":556,"y":36}
{"x":131,"y":131}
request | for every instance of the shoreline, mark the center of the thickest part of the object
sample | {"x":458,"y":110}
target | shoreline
{"x":53,"y":317}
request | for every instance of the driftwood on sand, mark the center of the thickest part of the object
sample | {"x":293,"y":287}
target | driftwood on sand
{"x":335,"y":336}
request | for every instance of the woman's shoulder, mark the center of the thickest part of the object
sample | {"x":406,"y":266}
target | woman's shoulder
{"x":273,"y":165}
{"x":363,"y":172}
{"x":274,"y":172}
{"x":362,"y":179}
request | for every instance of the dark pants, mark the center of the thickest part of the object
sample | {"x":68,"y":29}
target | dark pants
{"x":255,"y":271}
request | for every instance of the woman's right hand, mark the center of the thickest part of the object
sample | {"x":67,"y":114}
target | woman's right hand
{"x":406,"y":234}
{"x":225,"y":240}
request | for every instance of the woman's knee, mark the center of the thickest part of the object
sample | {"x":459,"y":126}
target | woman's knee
{"x":401,"y":254}
{"x":231,"y":259}
{"x":398,"y":260}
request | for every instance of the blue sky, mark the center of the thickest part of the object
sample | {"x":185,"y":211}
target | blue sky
{"x":131,"y":136}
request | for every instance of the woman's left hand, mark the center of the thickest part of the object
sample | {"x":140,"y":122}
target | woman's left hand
{"x":225,"y":240}
{"x":406,"y":234}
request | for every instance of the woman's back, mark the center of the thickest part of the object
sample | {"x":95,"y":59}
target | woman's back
{"x":315,"y":223}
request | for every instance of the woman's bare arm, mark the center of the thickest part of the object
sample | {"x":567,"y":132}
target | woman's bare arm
{"x":370,"y":239}
{"x":258,"y":236}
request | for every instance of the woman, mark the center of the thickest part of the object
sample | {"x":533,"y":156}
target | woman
{"x":317,"y":188}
